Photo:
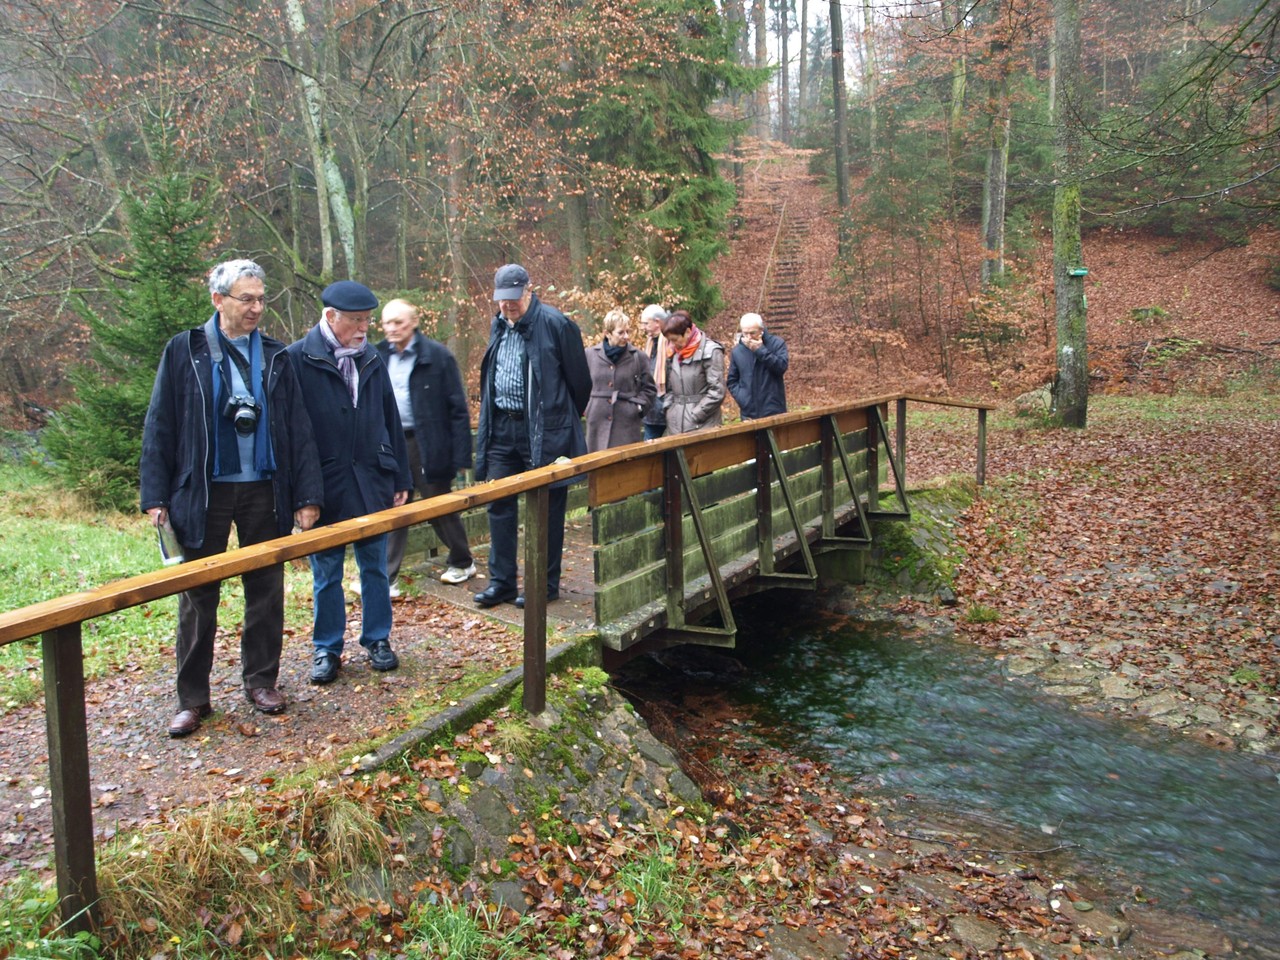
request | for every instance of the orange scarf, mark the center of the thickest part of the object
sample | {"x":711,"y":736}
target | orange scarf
{"x":695,"y":338}
{"x":660,"y":357}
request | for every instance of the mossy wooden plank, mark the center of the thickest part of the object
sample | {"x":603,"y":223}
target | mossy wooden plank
{"x":723,"y":484}
{"x":615,"y":560}
{"x":619,"y":598}
{"x":615,"y":521}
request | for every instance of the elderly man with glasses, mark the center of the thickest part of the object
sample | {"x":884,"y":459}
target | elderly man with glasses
{"x":365,"y":464}
{"x":227,"y":440}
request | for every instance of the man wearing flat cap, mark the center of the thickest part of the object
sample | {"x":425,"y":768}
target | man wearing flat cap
{"x":534,"y":387}
{"x":365,"y":465}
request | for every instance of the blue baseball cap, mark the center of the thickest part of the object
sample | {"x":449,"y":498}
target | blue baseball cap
{"x":509,"y":282}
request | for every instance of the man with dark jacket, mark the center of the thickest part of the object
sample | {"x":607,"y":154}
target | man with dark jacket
{"x":534,"y":387}
{"x":365,"y":466}
{"x":437,"y":430}
{"x":227,"y":440}
{"x":756,"y":365}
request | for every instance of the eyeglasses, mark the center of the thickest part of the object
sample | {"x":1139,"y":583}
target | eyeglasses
{"x":359,"y":319}
{"x":247,"y":300}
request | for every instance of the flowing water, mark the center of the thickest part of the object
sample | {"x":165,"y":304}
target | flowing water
{"x":926,"y":716}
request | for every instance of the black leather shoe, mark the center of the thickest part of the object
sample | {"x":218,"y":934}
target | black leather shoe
{"x":495,"y":595}
{"x":188,"y":720}
{"x":324,"y":669}
{"x":382,"y":657}
{"x":551,"y":598}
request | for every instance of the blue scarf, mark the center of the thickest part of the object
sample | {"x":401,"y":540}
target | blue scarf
{"x":614,"y":351}
{"x":226,"y":444}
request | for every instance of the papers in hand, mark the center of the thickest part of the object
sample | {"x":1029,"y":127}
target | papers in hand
{"x":170,"y":548}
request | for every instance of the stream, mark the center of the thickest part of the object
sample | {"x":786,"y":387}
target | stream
{"x":910,"y":712}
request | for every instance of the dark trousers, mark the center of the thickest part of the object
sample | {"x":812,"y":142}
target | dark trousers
{"x":509,"y":455}
{"x":449,"y":529}
{"x":252,"y":508}
{"x":652,"y":431}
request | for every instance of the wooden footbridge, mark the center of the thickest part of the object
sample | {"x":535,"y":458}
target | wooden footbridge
{"x":680,"y":527}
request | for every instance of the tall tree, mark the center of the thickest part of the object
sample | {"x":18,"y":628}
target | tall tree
{"x":995,"y":179}
{"x":1071,"y":386}
{"x":96,"y":441}
{"x":760,"y":28}
{"x":841,"y":126}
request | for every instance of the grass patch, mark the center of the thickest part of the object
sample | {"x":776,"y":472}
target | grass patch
{"x":981,"y":613}
{"x":52,"y":545}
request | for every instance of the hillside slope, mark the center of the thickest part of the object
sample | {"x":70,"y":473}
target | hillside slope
{"x":1216,"y":315}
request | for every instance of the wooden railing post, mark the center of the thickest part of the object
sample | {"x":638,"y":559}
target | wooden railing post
{"x":873,"y":462}
{"x":827,"y":500}
{"x":900,"y":430}
{"x":673,"y":523}
{"x":69,"y":778}
{"x":764,"y":504}
{"x":982,"y":446}
{"x":536,"y":502}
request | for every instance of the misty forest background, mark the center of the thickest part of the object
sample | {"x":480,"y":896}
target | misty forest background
{"x":610,"y":146}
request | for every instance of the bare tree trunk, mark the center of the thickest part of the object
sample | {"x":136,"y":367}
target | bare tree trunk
{"x":802,"y":80}
{"x":995,"y":183}
{"x":761,"y":26}
{"x":575,"y":209}
{"x":841,"y":124}
{"x":320,"y":137}
{"x":870,"y":74}
{"x":784,"y":73}
{"x":1071,"y":387}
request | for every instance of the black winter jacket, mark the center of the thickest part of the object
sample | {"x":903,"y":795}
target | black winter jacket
{"x":441,"y":418}
{"x":177,"y":455}
{"x":362,"y":453}
{"x":557,"y":386}
{"x":755,"y":379}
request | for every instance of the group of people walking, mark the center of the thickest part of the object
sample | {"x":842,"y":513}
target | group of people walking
{"x":244,"y":430}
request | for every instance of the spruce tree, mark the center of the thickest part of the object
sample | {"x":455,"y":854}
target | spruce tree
{"x":96,"y":440}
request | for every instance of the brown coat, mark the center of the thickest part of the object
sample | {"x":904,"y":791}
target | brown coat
{"x":620,"y":395}
{"x":695,"y":390}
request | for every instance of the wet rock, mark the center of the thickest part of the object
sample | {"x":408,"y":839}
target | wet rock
{"x":509,"y":893}
{"x":1071,"y":691}
{"x":1168,"y":932}
{"x":805,"y":944}
{"x":1118,"y":688}
{"x":1206,"y":714}
{"x":976,"y":933}
{"x":1157,"y":705}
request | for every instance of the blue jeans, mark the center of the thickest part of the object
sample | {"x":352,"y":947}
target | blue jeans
{"x":330,"y":602}
{"x":652,"y":431}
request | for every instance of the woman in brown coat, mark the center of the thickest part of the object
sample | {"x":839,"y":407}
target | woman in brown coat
{"x":695,"y":376}
{"x":622,"y":387}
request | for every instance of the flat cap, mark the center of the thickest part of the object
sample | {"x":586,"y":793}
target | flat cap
{"x":349,"y":297}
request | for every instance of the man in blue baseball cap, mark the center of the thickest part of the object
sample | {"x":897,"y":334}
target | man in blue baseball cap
{"x":534,"y":387}
{"x":365,"y":464}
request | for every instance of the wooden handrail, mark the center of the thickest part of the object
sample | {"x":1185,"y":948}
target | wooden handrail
{"x":30,"y":621}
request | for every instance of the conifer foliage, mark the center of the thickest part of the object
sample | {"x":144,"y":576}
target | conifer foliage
{"x":96,"y":441}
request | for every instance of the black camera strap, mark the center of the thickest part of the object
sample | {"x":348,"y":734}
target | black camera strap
{"x":215,"y":336}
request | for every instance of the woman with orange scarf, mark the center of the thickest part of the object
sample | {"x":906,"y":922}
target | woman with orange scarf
{"x":695,"y":376}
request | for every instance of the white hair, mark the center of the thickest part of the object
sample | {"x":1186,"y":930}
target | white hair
{"x":750,"y":320}
{"x":224,"y":276}
{"x":653,"y":311}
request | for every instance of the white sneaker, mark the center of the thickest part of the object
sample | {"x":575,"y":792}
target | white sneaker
{"x":458,"y":574}
{"x":395,"y":591}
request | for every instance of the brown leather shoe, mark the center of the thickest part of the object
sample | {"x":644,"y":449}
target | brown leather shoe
{"x":188,"y":721}
{"x":266,"y":699}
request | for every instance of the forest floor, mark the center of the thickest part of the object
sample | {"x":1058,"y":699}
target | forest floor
{"x":1145,"y":544}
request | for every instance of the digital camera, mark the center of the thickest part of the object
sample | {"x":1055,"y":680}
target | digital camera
{"x":243,"y":412}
